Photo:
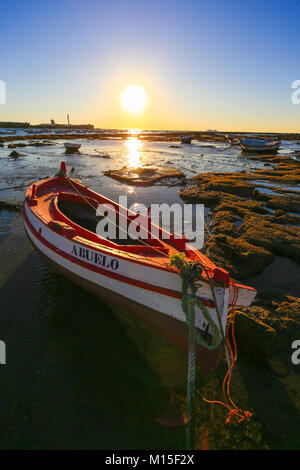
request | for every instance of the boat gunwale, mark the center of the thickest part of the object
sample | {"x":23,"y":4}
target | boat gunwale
{"x":127,"y":280}
{"x":156,"y":263}
{"x":98,"y":247}
{"x":105,"y":242}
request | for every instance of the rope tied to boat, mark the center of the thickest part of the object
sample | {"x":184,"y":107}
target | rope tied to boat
{"x":190,"y":272}
{"x":234,"y":412}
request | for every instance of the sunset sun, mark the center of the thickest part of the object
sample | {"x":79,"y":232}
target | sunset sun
{"x":133,"y":99}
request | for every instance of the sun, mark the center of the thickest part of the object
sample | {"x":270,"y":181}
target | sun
{"x":133,"y":99}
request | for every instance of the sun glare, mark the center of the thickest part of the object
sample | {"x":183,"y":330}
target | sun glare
{"x":133,"y":99}
{"x":133,"y":146}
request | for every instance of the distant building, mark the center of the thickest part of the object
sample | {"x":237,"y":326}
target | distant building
{"x":12,"y":124}
{"x":64,"y":126}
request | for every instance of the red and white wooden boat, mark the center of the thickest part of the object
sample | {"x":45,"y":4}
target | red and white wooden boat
{"x":60,"y":220}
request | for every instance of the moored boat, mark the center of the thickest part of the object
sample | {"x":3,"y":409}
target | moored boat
{"x":232,"y":140}
{"x":72,"y":146}
{"x":259,"y":145}
{"x":186,"y":139}
{"x":133,"y":276}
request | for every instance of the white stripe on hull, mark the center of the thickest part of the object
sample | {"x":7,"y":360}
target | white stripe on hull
{"x":131,"y":270}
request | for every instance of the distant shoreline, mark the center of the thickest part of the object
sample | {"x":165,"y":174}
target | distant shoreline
{"x":156,"y":136}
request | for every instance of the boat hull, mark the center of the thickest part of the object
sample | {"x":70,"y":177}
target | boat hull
{"x":259,"y":146}
{"x":162,"y":340}
{"x":142,"y":287}
{"x":259,"y":149}
{"x":186,"y":139}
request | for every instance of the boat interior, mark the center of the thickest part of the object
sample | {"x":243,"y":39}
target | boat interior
{"x":85,"y":216}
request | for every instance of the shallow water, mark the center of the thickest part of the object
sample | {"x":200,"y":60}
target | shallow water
{"x":73,"y":379}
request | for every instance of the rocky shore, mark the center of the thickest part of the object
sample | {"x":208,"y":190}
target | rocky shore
{"x":254,"y":215}
{"x":255,"y":219}
{"x":155,"y":136}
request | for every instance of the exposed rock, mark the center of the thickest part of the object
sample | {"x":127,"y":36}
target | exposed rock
{"x":197,"y":195}
{"x":143,"y":176}
{"x":280,"y":217}
{"x":246,"y":244}
{"x":281,"y":312}
{"x":288,"y":203}
{"x":277,"y":239}
{"x":15,"y":154}
{"x":12,"y":146}
{"x":10,"y":205}
{"x":224,"y":223}
{"x":41,"y":144}
{"x":236,"y":255}
{"x":239,"y":206}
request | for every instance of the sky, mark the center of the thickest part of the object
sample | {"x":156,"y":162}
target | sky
{"x":226,"y":65}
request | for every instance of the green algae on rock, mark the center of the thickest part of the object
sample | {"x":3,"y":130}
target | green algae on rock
{"x":248,"y":223}
{"x":143,"y":176}
{"x":240,"y":258}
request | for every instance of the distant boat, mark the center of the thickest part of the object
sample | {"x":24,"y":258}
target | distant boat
{"x":186,"y":139}
{"x":72,"y":146}
{"x":259,"y":145}
{"x":232,"y":139}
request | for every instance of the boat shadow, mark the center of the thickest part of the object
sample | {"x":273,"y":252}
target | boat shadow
{"x":82,"y":376}
{"x":272,"y":404}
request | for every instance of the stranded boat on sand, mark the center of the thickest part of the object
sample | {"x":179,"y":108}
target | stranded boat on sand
{"x":186,"y":139}
{"x":72,"y":146}
{"x":259,"y":145}
{"x":132,"y":275}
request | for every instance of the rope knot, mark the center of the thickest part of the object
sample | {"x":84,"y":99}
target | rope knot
{"x":189,"y":271}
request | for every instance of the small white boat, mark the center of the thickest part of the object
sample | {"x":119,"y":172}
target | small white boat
{"x":186,"y":139}
{"x":259,"y":145}
{"x":72,"y":146}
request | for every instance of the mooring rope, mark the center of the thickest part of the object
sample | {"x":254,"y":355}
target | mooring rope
{"x":190,"y":272}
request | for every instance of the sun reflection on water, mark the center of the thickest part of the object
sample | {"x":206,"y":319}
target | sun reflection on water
{"x":133,"y":146}
{"x":135,"y":131}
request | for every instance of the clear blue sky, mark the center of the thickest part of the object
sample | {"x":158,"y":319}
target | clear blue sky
{"x":203,"y":64}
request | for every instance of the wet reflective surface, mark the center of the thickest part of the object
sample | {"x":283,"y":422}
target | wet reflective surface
{"x":73,"y":378}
